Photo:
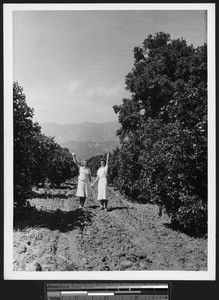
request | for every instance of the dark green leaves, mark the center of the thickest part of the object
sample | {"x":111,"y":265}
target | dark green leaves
{"x":36,"y":156}
{"x":163,"y":155}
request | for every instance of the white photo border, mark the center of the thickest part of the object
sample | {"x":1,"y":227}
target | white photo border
{"x":9,"y":274}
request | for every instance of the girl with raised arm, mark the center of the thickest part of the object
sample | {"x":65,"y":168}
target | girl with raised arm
{"x":102,"y":182}
{"x":84,"y":181}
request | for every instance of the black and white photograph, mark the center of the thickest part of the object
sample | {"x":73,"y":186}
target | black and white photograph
{"x":108,"y":135}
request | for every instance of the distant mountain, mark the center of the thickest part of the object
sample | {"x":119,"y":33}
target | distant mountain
{"x":86,"y":150}
{"x":83,"y":132}
{"x":85,"y":139}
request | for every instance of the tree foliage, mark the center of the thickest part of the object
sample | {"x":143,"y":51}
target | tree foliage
{"x":61,"y":166}
{"x":163,"y":157}
{"x":25,"y":131}
{"x":36,"y":156}
{"x":94,"y":164}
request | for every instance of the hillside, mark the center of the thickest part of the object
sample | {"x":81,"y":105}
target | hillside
{"x":85,"y":139}
{"x":83,"y":132}
{"x":86,"y":150}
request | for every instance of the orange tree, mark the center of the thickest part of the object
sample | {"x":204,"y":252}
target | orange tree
{"x":25,"y":131}
{"x":61,"y":166}
{"x":163,"y":156}
{"x":36,"y":156}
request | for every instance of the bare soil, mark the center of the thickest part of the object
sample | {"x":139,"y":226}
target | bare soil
{"x":54,"y":235}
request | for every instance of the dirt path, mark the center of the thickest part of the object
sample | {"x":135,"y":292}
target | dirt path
{"x":61,"y":237}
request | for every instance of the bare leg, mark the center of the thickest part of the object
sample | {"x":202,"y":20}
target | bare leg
{"x":102,"y":203}
{"x":82,"y":200}
{"x":80,"y":206}
{"x":105,"y":204}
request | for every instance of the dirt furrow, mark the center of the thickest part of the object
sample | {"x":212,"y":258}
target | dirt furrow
{"x":57,"y":236}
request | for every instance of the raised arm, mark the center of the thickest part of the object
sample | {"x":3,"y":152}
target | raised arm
{"x":107,"y":157}
{"x":75,"y":160}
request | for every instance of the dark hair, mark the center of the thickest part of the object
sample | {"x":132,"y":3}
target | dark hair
{"x":82,"y":162}
{"x":102,"y":159}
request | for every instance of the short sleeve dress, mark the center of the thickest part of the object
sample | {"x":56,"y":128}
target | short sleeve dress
{"x":102,"y":183}
{"x":83,"y":188}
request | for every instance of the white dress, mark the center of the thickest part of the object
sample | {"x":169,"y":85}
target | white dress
{"x":102,"y":183}
{"x":83,"y":188}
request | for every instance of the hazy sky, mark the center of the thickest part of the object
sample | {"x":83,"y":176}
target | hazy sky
{"x":72,"y":64}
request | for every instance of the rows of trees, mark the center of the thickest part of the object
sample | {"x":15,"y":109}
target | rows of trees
{"x":37,"y":158}
{"x":163,"y":135}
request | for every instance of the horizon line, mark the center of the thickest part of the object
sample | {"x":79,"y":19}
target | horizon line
{"x":86,"y":122}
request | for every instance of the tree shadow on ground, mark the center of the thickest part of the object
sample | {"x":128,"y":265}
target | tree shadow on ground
{"x":120,"y":208}
{"x":190,"y":232}
{"x":93,"y":206}
{"x":54,"y":220}
{"x":64,"y":186}
{"x":49,"y":195}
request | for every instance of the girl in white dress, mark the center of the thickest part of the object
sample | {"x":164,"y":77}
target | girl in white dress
{"x":102,"y":183}
{"x":84,"y":181}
